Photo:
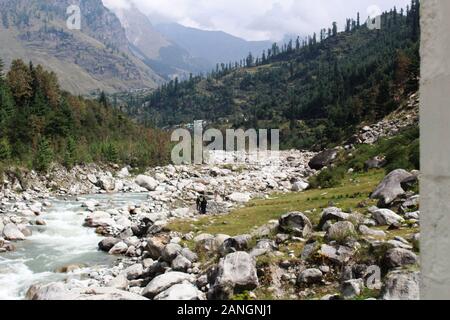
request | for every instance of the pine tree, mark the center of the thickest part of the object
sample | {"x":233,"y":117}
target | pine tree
{"x":44,"y":156}
{"x":5,"y":150}
{"x":335,"y":30}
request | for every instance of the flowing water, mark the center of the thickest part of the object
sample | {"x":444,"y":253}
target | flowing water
{"x":63,"y":241}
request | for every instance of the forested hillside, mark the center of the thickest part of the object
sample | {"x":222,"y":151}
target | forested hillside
{"x":40,"y":124}
{"x":317,"y":89}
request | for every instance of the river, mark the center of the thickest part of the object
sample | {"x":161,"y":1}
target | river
{"x":63,"y":241}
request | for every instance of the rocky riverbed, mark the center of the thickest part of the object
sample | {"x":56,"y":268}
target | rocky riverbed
{"x":30,"y":204}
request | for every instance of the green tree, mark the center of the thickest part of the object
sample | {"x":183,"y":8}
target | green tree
{"x":44,"y":156}
{"x":5,"y":150}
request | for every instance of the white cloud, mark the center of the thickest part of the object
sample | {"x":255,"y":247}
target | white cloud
{"x":257,"y":19}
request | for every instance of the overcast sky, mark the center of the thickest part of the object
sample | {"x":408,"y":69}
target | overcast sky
{"x":257,"y":19}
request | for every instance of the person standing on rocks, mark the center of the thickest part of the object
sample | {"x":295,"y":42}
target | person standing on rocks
{"x":202,"y":203}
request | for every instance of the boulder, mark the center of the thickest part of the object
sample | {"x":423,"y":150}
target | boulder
{"x":146,"y":182}
{"x":99,"y":219}
{"x":134,"y":271}
{"x":238,"y":243}
{"x":401,"y":285}
{"x":106,"y":183}
{"x":310,"y":276}
{"x":366,"y":231}
{"x":181,"y":292}
{"x":234,"y":274}
{"x":119,"y":248}
{"x":352,"y":288}
{"x":390,"y":188}
{"x":211,"y":244}
{"x":58,"y":291}
{"x":155,"y":247}
{"x":386,"y":217}
{"x":12,"y":232}
{"x":299,"y":186}
{"x":332,"y":214}
{"x":188,"y":254}
{"x":171,"y":251}
{"x":262,"y":247}
{"x":107,"y":244}
{"x":164,"y":282}
{"x":399,"y":257}
{"x":296,"y":223}
{"x":323,"y":159}
{"x":120,"y":282}
{"x":181,"y":263}
{"x":336,"y":254}
{"x":239,"y":197}
{"x":341,"y":232}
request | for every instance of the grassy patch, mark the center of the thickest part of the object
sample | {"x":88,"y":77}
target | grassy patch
{"x":354,"y":189}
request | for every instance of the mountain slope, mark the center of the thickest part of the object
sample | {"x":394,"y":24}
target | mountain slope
{"x":96,"y":57}
{"x":39,"y":124}
{"x":212,"y":46}
{"x":317,"y":94}
{"x":163,"y":56}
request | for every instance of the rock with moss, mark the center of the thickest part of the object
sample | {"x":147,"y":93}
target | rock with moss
{"x":341,"y":232}
{"x":297,"y":224}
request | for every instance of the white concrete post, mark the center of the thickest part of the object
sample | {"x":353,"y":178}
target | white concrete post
{"x":435,"y":149}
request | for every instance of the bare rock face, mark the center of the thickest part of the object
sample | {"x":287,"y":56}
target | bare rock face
{"x":323,"y":159}
{"x":296,"y":223}
{"x":390,"y":188}
{"x":401,"y":285}
{"x":234,"y":274}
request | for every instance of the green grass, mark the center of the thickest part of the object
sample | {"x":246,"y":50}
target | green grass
{"x":353,"y":190}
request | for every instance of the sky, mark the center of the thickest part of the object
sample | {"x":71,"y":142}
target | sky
{"x":257,"y":19}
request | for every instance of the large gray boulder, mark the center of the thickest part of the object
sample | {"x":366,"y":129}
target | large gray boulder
{"x":107,"y":243}
{"x":58,"y":291}
{"x":399,"y":257}
{"x":323,"y":159}
{"x":390,"y":188}
{"x":341,"y":231}
{"x":171,"y":251}
{"x":235,"y":273}
{"x":401,"y":285}
{"x":12,"y":232}
{"x":155,"y":247}
{"x":386,"y":217}
{"x":237,"y":243}
{"x":181,"y":292}
{"x":296,"y":223}
{"x":332,"y":214}
{"x":181,"y":263}
{"x":164,"y":282}
{"x":146,"y":182}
